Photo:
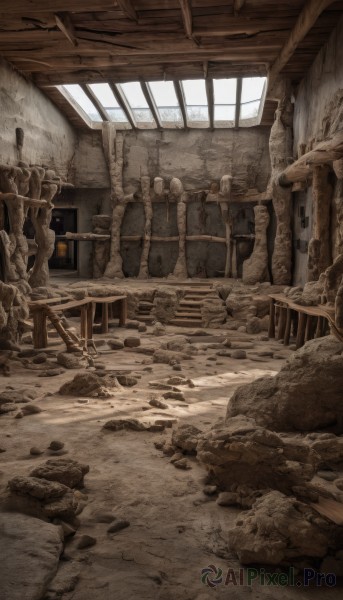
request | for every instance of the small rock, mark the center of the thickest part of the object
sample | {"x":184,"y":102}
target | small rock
{"x":132,"y":342}
{"x":104,"y":517}
{"x":177,"y":368}
{"x":142,"y":328}
{"x":182,"y":464}
{"x":158,"y":403}
{"x":210,"y":490}
{"x":115,"y":344}
{"x":227,"y":499}
{"x":118,"y":525}
{"x":34,"y":451}
{"x":173,"y":396}
{"x":242,"y":329}
{"x":86,"y":541}
{"x":30,"y":409}
{"x":127,"y":380}
{"x":118,"y":424}
{"x":132,"y":324}
{"x":238,"y":354}
{"x":327,"y":475}
{"x":56,"y":445}
{"x":2,"y":449}
{"x":39,"y":359}
{"x":19,"y":415}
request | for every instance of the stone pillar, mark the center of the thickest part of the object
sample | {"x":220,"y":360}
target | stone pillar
{"x":280,"y":147}
{"x":255,"y":268}
{"x":319,"y":247}
{"x":113,"y":145}
{"x":176,"y":189}
{"x":144,"y":267}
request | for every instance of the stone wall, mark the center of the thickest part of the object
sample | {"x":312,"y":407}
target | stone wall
{"x":318,"y":113}
{"x":48,"y":137}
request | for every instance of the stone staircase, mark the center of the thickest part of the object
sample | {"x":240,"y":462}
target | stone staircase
{"x":188,"y":313}
{"x":144,"y":312}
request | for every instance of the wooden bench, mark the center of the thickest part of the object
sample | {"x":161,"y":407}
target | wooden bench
{"x":309,"y":321}
{"x":41,"y":311}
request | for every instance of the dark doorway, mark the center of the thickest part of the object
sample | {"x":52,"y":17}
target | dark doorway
{"x":65,"y":253}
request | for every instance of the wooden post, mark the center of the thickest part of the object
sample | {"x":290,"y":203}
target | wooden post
{"x":308,"y":330}
{"x":288,"y":327}
{"x":40,"y":332}
{"x":104,"y":317}
{"x":302,"y":321}
{"x":122,"y":312}
{"x":90,"y":308}
{"x":271,"y":330}
{"x":83,"y":317}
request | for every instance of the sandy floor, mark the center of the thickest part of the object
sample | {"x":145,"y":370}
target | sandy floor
{"x":175,"y":530}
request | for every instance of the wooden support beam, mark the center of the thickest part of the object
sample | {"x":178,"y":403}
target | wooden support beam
{"x":237,"y":6}
{"x":210,"y":101}
{"x":65,"y":24}
{"x":128,"y":9}
{"x":307,"y":18}
{"x":324,"y":153}
{"x":238,"y":101}
{"x":186,"y":11}
{"x":89,"y":92}
{"x":119,"y":96}
{"x":151,"y":104}
{"x":181,"y":101}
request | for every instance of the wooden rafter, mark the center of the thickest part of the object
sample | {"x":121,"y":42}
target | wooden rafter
{"x":89,"y":92}
{"x":186,"y":11}
{"x":307,"y":18}
{"x":238,"y":101}
{"x":151,"y":104}
{"x":181,"y":101}
{"x":210,"y":101}
{"x":123,"y":105}
{"x":128,"y":9}
{"x":65,"y":24}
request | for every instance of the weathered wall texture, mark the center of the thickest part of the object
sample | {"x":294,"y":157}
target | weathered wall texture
{"x":318,"y":113}
{"x":49,"y":138}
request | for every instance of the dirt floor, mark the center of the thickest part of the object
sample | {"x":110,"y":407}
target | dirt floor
{"x":175,"y":529}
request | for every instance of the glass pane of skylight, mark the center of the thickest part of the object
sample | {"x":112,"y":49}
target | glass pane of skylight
{"x":195,"y":92}
{"x":170,"y":115}
{"x":250,"y":110}
{"x":252,"y":88}
{"x":163,"y":93}
{"x":104,"y":94}
{"x":79,"y":96}
{"x":134,"y":94}
{"x":224,"y":112}
{"x":197,"y":113}
{"x":117,"y":115}
{"x":225,"y":91}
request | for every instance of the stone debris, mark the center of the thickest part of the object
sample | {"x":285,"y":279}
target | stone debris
{"x":91,"y":385}
{"x":63,"y":470}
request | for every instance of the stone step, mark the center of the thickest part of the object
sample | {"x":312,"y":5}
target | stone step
{"x":185,"y":323}
{"x":145,"y":318}
{"x":190,"y":303}
{"x":194,"y":315}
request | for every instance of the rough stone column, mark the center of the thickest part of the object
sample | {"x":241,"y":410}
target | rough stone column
{"x":338,"y":169}
{"x":144,"y":267}
{"x":319,"y":248}
{"x":225,"y":192}
{"x":176,"y":189}
{"x":339,"y":307}
{"x":44,"y":236}
{"x":255,"y":268}
{"x":280,"y":147}
{"x":113,"y":145}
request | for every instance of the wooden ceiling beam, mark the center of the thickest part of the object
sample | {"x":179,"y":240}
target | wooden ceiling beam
{"x":65,"y":24}
{"x":23,"y":7}
{"x":128,"y":9}
{"x":182,"y":102}
{"x":307,"y":18}
{"x":186,"y":12}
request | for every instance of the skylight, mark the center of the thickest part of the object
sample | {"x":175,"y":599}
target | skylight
{"x":167,"y":104}
{"x":196,"y":102}
{"x":80,"y":97}
{"x":164,"y":96}
{"x":136,"y":100}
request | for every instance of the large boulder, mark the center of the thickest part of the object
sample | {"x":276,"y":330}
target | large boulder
{"x":63,"y":470}
{"x":241,"y":453}
{"x":30,"y":557}
{"x":306,"y":395}
{"x":280,"y":530}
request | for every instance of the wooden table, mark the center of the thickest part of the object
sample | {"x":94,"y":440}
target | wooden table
{"x":309,"y":321}
{"x":42,"y":310}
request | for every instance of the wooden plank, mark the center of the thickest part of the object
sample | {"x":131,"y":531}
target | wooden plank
{"x":238,"y":101}
{"x":151,"y":104}
{"x":65,"y":24}
{"x":128,"y":9}
{"x":93,"y":98}
{"x":181,"y":101}
{"x":237,"y":6}
{"x":186,"y":12}
{"x":331,"y":509}
{"x":210,"y":100}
